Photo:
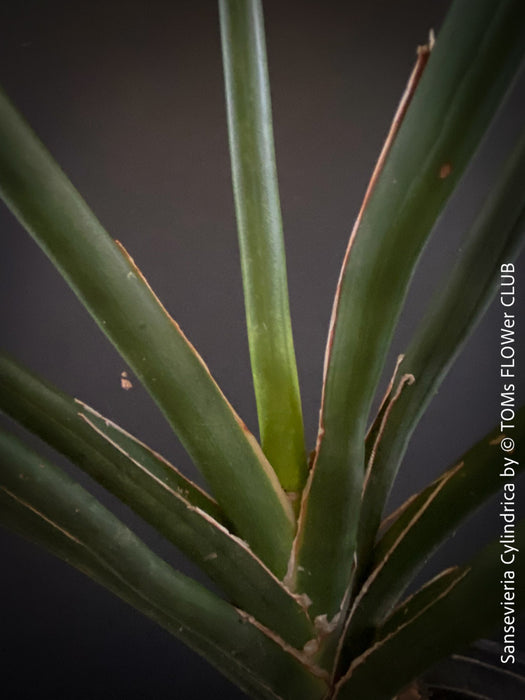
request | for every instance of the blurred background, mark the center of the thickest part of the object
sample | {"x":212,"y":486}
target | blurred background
{"x":128,"y":96}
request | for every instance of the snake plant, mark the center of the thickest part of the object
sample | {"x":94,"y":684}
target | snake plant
{"x":310,"y":585}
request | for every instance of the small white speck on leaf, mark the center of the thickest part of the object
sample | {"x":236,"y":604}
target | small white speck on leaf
{"x":124,"y":381}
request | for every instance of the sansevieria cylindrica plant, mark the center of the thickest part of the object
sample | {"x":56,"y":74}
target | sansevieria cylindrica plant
{"x":309,"y":598}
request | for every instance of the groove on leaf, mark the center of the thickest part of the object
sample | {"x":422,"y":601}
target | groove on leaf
{"x":406,"y":380}
{"x":114,"y":426}
{"x":41,"y":515}
{"x":348,"y":632}
{"x":377,"y":645}
{"x":260,"y":590}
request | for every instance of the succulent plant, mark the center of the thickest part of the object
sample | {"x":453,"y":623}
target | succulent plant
{"x":313,"y":583}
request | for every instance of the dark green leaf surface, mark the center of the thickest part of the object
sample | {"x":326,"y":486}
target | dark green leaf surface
{"x":112,"y":288}
{"x":261,"y":239}
{"x":54,"y":417}
{"x":423,"y":524}
{"x":475,"y":59}
{"x":244,"y":578}
{"x":472,"y":607}
{"x":495,"y":238}
{"x":425,"y":596}
{"x":44,"y":504}
{"x":156,"y":491}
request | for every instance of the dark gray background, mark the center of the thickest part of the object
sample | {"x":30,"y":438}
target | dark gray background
{"x":128,"y":96}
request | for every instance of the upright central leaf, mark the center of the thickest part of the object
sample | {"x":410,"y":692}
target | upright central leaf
{"x":261,"y":240}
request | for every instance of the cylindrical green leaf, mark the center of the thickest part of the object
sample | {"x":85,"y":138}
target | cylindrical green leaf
{"x":426,"y":521}
{"x":470,"y":607}
{"x":474,"y":61}
{"x":43,"y":503}
{"x":156,"y":491}
{"x":112,"y":288}
{"x":495,"y":238}
{"x":261,"y":240}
